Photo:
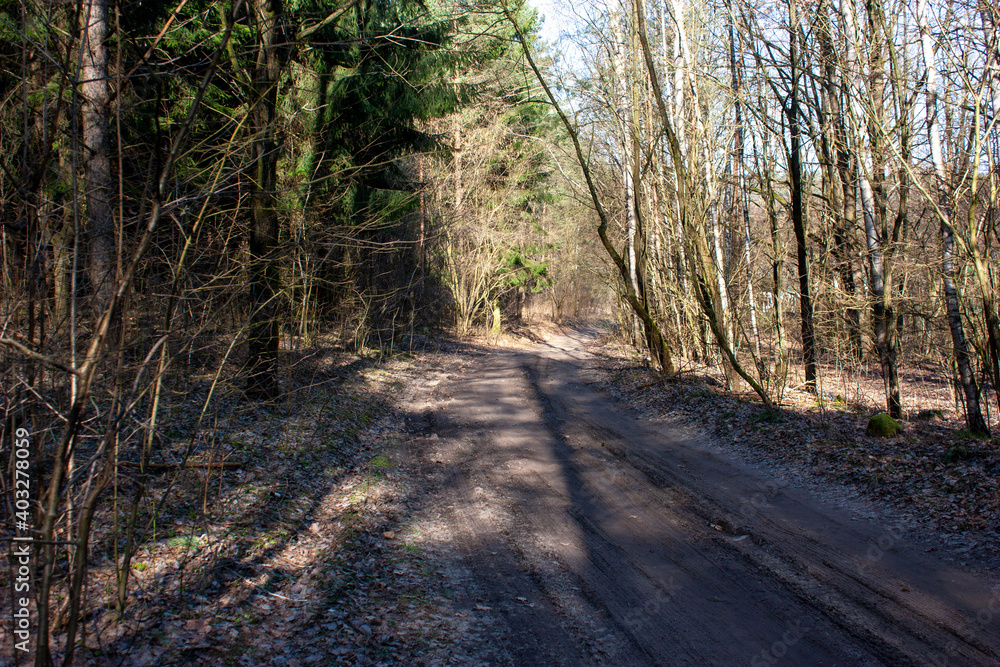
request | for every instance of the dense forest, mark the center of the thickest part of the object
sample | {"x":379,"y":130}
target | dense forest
{"x":213,"y":191}
{"x":821,"y":175}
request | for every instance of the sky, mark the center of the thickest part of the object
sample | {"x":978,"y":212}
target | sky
{"x":553,"y":19}
{"x":560,"y":16}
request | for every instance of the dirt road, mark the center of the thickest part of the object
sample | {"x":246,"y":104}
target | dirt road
{"x":579,"y":534}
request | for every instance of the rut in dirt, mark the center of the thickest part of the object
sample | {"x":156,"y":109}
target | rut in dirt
{"x":592,"y":537}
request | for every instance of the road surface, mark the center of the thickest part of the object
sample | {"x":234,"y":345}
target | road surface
{"x":580,"y":534}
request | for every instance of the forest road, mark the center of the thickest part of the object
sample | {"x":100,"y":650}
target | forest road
{"x":580,"y":535}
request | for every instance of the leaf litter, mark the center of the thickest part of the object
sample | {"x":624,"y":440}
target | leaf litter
{"x":298,"y":552}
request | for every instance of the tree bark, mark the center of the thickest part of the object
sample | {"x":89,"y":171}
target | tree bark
{"x":970,"y":389}
{"x":100,"y":231}
{"x":880,"y":240}
{"x":263,"y":328}
{"x":844,"y":203}
{"x":777,"y":269}
{"x":793,"y":114}
{"x":873,"y":212}
{"x":741,"y":203}
{"x":991,"y":23}
{"x":687,"y":84}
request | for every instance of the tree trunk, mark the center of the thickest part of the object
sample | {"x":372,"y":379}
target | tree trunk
{"x":635,"y":255}
{"x":873,"y":213}
{"x":625,"y":103}
{"x":970,"y":390}
{"x":990,"y":15}
{"x":684,"y":317}
{"x":718,"y":264}
{"x":661,"y":353}
{"x":777,"y":270}
{"x":793,"y":114}
{"x":421,"y":239}
{"x":100,"y":231}
{"x":631,"y":219}
{"x":880,"y":244}
{"x":673,"y":54}
{"x":843,"y":202}
{"x":993,"y":341}
{"x":894,"y":324}
{"x":700,"y":255}
{"x":263,"y":328}
{"x":741,"y":202}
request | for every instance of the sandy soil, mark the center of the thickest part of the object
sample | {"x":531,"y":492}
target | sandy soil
{"x":571,"y":532}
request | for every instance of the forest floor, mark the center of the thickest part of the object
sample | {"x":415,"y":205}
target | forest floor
{"x":550,"y":501}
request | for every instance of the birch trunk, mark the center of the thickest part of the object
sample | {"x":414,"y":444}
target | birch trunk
{"x":626,"y":134}
{"x":970,"y":390}
{"x":672,"y":54}
{"x":702,"y":140}
{"x":685,"y":198}
{"x":661,"y":350}
{"x":873,"y":214}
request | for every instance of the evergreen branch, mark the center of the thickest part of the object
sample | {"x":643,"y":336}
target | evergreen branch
{"x":306,"y":33}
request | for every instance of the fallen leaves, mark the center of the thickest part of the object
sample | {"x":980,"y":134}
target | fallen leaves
{"x":293,"y":557}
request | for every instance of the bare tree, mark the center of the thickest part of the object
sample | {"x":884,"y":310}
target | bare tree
{"x":741,"y":196}
{"x":943,"y":208}
{"x":95,"y":91}
{"x":659,"y":348}
{"x":839,"y":169}
{"x":263,"y":328}
{"x":793,"y":114}
{"x":700,"y":258}
{"x":874,"y":213}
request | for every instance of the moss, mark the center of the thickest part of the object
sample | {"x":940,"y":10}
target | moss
{"x":959,"y":452}
{"x":929,"y":416}
{"x":768,"y":417}
{"x":380,"y":463}
{"x":966,"y":434}
{"x":883,"y":426}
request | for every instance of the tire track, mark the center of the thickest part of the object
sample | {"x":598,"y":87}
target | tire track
{"x":595,"y":539}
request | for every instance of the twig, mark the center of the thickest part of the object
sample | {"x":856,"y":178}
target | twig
{"x":28,"y":352}
{"x":256,"y":585}
{"x":196,"y":464}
